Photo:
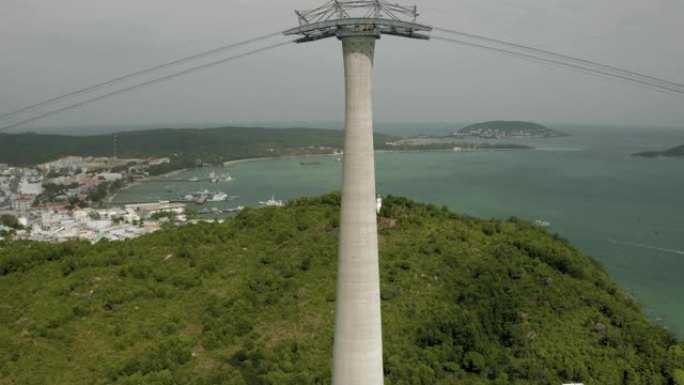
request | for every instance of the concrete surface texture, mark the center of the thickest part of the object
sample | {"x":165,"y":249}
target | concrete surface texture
{"x":357,"y":356}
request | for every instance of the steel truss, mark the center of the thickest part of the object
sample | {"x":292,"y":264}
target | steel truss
{"x":338,"y":17}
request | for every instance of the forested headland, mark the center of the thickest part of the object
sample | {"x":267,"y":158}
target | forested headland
{"x":674,"y":152}
{"x":251,"y":301}
{"x":184,"y":146}
{"x":502,"y":129}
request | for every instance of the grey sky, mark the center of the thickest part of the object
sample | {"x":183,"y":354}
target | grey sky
{"x":51,"y":47}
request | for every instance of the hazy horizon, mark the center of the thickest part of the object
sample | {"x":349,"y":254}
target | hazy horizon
{"x":53,"y":48}
{"x":389,"y":128}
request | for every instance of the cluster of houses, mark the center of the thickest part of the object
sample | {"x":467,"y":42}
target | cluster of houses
{"x":23,"y":192}
{"x":20,"y":186}
{"x":56,"y":223}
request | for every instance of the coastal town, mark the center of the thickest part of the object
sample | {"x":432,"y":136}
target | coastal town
{"x":63,"y":200}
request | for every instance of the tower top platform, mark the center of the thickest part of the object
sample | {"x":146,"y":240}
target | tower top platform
{"x":373,"y":17}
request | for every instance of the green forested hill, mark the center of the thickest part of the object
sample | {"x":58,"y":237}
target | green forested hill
{"x":217,"y":144}
{"x":251,"y":301}
{"x":507,"y":129}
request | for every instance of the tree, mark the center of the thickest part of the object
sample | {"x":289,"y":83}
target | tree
{"x":11,"y":221}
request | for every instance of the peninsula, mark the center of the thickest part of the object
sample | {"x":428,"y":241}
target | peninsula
{"x":674,"y":152}
{"x":506,"y":130}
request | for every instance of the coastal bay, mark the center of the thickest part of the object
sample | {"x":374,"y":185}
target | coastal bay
{"x":621,"y":210}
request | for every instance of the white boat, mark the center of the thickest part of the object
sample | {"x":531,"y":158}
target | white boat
{"x":193,"y":179}
{"x":218,"y":197}
{"x":273,"y":202}
{"x":235,"y":209}
{"x":213,"y":177}
{"x":541,"y":223}
{"x":201,"y":194}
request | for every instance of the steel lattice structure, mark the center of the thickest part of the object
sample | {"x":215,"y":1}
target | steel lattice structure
{"x":362,"y":8}
{"x":377,"y":17}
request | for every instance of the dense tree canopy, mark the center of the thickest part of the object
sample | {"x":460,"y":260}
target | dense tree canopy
{"x":9,"y":221}
{"x":212,"y":145}
{"x":251,"y":301}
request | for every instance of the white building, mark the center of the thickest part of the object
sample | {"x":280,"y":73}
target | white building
{"x":30,"y":186}
{"x":99,"y":224}
{"x":81,"y":215}
{"x":23,"y":221}
{"x":22,"y":203}
{"x":146,"y":210}
{"x":69,"y":162}
{"x":157,"y":162}
{"x":46,"y":218}
{"x":110,"y":176}
{"x":5,"y":183}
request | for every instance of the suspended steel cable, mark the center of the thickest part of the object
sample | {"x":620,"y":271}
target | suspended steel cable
{"x":661,"y":85}
{"x":559,"y":56}
{"x":133,"y":75}
{"x":146,"y":83}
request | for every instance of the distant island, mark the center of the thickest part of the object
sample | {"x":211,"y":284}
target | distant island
{"x":674,"y":152}
{"x":450,"y":143}
{"x":506,"y":130}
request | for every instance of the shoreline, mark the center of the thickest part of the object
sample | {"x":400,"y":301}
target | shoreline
{"x":110,"y":198}
{"x":229,"y":163}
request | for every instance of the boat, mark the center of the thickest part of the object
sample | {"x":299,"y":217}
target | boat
{"x":226,"y":178}
{"x":310,"y":163}
{"x":541,"y":223}
{"x":213,"y":177}
{"x":193,"y":179}
{"x":272,"y":202}
{"x":218,"y":197}
{"x":200,"y":196}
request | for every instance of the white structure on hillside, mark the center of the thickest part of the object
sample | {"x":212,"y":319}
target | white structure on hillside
{"x":110,"y":176}
{"x":29,"y":186}
{"x":69,"y":162}
{"x":22,"y":203}
{"x":146,"y":210}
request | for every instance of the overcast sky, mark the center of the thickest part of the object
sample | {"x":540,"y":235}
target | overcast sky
{"x":50,"y":47}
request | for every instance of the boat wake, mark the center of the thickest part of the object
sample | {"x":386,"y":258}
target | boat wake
{"x":672,"y":251}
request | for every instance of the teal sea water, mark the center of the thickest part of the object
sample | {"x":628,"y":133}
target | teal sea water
{"x":627,"y":212}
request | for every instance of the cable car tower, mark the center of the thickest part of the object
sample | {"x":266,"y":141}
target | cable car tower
{"x":357,"y":351}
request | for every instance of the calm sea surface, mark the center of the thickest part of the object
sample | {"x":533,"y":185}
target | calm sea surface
{"x":625,"y":211}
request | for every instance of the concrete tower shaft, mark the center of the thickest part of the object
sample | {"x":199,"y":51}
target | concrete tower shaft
{"x":357,"y":352}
